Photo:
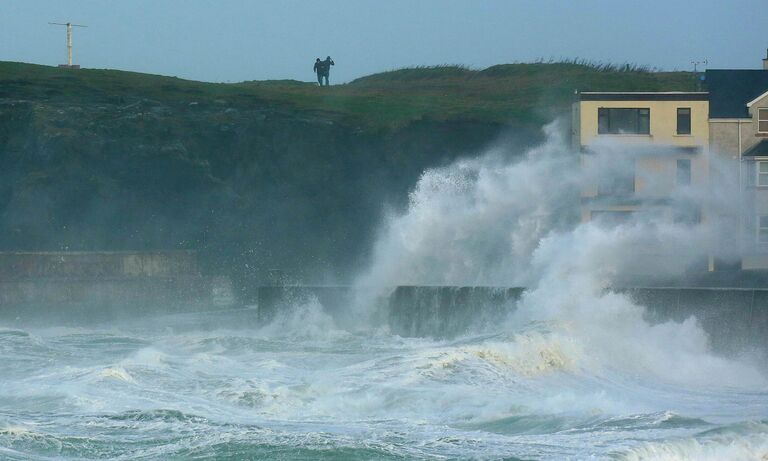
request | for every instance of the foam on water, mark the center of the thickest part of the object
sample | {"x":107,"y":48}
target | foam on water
{"x":741,"y":442}
{"x":117,"y":373}
{"x":529,"y":394}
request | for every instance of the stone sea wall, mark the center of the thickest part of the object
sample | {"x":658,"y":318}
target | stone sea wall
{"x":734,"y":318}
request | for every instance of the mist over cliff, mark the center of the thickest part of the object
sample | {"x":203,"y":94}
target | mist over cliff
{"x":255,"y":176}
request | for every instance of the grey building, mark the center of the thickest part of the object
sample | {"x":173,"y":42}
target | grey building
{"x":738,"y":124}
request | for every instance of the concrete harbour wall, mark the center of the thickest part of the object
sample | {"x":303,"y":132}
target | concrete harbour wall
{"x":734,"y":318}
{"x":86,"y":286}
{"x":96,"y":264}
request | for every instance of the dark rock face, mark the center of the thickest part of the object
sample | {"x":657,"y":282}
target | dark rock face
{"x":252,"y":187}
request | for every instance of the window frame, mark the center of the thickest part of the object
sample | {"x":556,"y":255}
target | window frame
{"x":678,"y":170}
{"x":690,"y":126}
{"x":759,"y":174}
{"x":762,"y":118}
{"x":642,"y":113}
{"x":761,"y":229}
{"x":622,"y":186}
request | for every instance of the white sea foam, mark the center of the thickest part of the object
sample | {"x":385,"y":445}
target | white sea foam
{"x":531,"y":354}
{"x":304,"y":319}
{"x":117,"y":373}
{"x":19,"y":431}
{"x":748,"y":442}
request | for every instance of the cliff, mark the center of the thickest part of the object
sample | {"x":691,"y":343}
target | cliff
{"x":254,"y":175}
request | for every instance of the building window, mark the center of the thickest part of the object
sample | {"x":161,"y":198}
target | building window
{"x":762,"y":229}
{"x":619,"y":185}
{"x":686,"y":214}
{"x":684,"y":120}
{"x":623,"y":121}
{"x":762,"y":120}
{"x":611,"y":218}
{"x":684,"y":172}
{"x":762,"y":174}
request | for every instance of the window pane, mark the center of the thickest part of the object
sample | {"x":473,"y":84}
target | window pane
{"x":762,"y":235}
{"x":611,"y":218}
{"x":623,"y":121}
{"x":764,"y":221}
{"x":621,"y":185}
{"x":750,"y":173}
{"x":644,"y":121}
{"x":684,"y":121}
{"x":687,"y":215}
{"x":684,"y":172}
{"x":602,"y":121}
{"x":762,"y":126}
{"x":763,"y":167}
{"x":762,"y":114}
{"x":762,"y":179}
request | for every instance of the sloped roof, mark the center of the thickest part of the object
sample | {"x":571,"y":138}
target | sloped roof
{"x":750,"y":103}
{"x":731,"y":90}
{"x":758,"y":150}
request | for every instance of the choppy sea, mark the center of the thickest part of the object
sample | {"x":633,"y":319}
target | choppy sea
{"x":218,"y":387}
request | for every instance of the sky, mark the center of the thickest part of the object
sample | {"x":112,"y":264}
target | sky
{"x":237,"y":40}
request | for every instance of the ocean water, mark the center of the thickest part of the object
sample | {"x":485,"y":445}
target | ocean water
{"x":219,"y":386}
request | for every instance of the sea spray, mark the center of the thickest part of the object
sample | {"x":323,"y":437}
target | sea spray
{"x":504,"y":220}
{"x":574,"y":270}
{"x":478,"y":221}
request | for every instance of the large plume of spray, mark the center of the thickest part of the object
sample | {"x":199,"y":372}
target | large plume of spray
{"x":513,"y":220}
{"x":478,"y":221}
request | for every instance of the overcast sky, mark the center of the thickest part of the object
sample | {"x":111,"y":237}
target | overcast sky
{"x":235,"y":40}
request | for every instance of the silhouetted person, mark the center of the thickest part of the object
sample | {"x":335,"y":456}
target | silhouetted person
{"x":319,"y":71}
{"x":323,"y":68}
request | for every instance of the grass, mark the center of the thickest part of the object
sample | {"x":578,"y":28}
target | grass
{"x":508,"y":93}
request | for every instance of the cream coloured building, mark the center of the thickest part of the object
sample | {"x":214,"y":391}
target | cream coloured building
{"x":641,"y":146}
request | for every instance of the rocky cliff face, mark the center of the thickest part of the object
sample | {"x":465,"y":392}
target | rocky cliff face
{"x":252,"y":186}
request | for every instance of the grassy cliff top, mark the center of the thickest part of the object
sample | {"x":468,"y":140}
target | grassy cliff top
{"x":509,"y":93}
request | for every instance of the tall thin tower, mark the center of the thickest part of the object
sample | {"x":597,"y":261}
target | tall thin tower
{"x":69,"y":43}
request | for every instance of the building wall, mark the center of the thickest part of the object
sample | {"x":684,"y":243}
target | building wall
{"x":656,"y":176}
{"x":752,"y":134}
{"x":755,"y":254}
{"x":748,"y":135}
{"x":663,"y":116}
{"x":576,"y":126}
{"x":724,"y":137}
{"x":754,"y":261}
{"x":655,"y":171}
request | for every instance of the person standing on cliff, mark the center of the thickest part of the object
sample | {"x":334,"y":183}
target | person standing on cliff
{"x":327,"y":68}
{"x":319,"y":71}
